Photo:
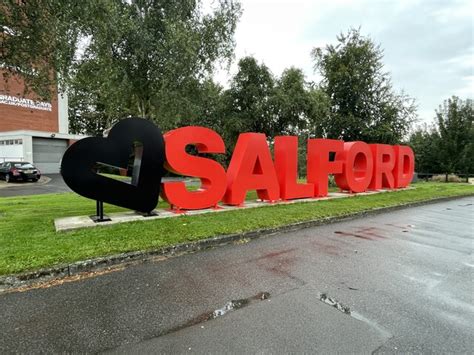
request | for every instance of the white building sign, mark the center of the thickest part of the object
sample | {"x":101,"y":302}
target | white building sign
{"x":22,"y":102}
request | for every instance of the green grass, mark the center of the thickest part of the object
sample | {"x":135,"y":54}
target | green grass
{"x":116,"y":177}
{"x":28,"y":240}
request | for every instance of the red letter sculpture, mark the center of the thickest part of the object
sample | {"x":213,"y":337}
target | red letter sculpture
{"x":319,"y":166}
{"x":404,"y":166}
{"x":286,"y":166}
{"x":211,"y":173}
{"x":384,"y":162}
{"x":251,"y":168}
{"x":358,"y":167}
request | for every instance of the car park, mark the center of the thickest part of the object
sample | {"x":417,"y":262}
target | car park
{"x":19,"y":170}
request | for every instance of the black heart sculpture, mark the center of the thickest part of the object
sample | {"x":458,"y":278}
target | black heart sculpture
{"x":78,"y":166}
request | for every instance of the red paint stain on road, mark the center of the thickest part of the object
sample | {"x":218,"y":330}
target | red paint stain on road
{"x":276,"y":254}
{"x":368,"y":233}
{"x":326,"y":248}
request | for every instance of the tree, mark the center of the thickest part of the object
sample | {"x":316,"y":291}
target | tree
{"x":292,"y":102}
{"x":203,"y":107}
{"x":138,"y":55}
{"x":257,"y":101}
{"x":456,"y":131}
{"x":318,"y":111}
{"x":38,"y":39}
{"x":248,"y":101}
{"x":447,"y":146}
{"x":148,"y":55}
{"x":363,"y":103}
{"x":425,"y":143}
{"x":299,"y":109}
{"x":87,"y":104}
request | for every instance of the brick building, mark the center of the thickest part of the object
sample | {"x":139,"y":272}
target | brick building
{"x":33,"y":130}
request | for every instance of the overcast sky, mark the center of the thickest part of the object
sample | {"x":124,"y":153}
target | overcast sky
{"x":428,"y":44}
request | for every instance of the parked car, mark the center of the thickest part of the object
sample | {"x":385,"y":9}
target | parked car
{"x":19,"y":170}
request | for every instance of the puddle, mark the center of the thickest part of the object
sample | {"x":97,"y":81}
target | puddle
{"x":323,"y":297}
{"x":346,"y":310}
{"x":228,"y":307}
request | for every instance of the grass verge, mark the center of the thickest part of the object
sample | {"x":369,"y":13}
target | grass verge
{"x":28,"y":240}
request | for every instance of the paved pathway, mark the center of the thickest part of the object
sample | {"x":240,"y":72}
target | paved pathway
{"x":53,"y":183}
{"x":407,"y":277}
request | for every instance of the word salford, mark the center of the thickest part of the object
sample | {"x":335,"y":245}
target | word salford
{"x":357,"y":167}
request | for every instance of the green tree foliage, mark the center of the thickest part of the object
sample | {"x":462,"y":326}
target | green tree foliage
{"x":292,"y":102}
{"x":38,"y":39}
{"x":148,"y":57}
{"x":299,"y":109}
{"x":364,"y":105}
{"x":87,"y":104}
{"x":456,"y":131}
{"x":425,"y":143}
{"x":319,"y":111}
{"x":248,"y":105}
{"x":448,"y":145}
{"x":118,"y":57}
{"x":257,"y":101}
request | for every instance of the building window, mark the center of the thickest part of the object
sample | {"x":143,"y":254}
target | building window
{"x":12,"y":142}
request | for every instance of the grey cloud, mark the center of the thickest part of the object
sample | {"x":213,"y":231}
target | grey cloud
{"x":428,"y":51}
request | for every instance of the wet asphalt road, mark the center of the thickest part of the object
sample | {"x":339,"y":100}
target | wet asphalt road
{"x":20,"y":188}
{"x":407,"y":277}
